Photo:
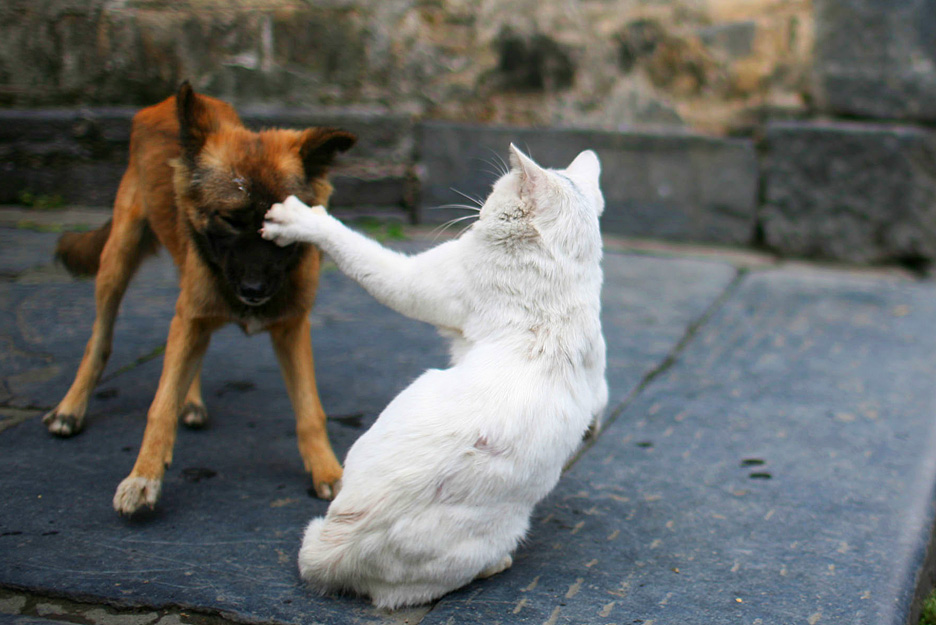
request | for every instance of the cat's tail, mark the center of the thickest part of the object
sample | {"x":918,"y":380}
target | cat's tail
{"x":323,"y":560}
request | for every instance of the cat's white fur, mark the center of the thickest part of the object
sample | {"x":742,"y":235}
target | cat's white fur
{"x":440,"y":490}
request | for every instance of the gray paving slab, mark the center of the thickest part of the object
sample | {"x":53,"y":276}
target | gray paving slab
{"x":46,"y":318}
{"x":21,"y":250}
{"x":16,"y":619}
{"x":225,"y":534}
{"x":780,"y":472}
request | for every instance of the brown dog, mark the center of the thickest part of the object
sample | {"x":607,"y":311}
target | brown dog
{"x":199,"y":183}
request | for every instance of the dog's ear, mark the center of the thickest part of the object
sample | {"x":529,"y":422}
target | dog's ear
{"x":319,"y":148}
{"x":196,"y":122}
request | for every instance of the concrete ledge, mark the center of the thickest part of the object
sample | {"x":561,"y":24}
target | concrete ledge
{"x":853,"y":192}
{"x":849,"y":191}
{"x":670,"y":185}
{"x":80,"y":155}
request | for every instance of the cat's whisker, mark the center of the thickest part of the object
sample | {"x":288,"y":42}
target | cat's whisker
{"x":472,"y":198}
{"x":452,"y":222}
{"x":464,"y":230}
{"x":448,"y":224}
{"x":464,"y":206}
{"x":498,"y":168}
{"x":503,"y":164}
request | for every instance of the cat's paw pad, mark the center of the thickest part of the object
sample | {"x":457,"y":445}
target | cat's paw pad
{"x":62,"y":424}
{"x":295,"y":206}
{"x":136,"y":492}
{"x":280,"y":221}
{"x":275,"y":232}
{"x":287,"y":211}
{"x":194,"y":415}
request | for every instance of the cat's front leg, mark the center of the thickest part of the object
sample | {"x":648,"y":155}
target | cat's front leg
{"x":292,"y":221}
{"x":426,"y":286}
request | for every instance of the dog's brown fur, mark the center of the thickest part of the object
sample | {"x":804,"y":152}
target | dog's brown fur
{"x":199,"y":183}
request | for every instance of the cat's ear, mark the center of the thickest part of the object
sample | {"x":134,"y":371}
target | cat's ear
{"x":531,"y":174}
{"x":585,"y":168}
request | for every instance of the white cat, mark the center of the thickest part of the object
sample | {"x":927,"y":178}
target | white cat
{"x":440,"y":490}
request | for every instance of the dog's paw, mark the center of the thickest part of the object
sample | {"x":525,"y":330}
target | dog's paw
{"x":136,"y":492}
{"x":62,"y":424}
{"x":327,"y":490}
{"x":194,"y":415}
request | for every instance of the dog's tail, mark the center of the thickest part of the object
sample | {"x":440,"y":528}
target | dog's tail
{"x":80,"y":252}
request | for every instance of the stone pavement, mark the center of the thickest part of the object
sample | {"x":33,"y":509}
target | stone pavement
{"x":767,"y":456}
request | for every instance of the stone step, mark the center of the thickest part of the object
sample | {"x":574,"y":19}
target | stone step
{"x":80,"y":154}
{"x":853,"y":191}
{"x":849,"y":191}
{"x":668,"y":184}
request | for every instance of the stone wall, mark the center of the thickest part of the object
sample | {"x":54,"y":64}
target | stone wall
{"x":804,"y":128}
{"x":712,"y":65}
{"x":860,"y":184}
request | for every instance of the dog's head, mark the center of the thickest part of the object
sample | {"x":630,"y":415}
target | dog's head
{"x":227,"y":177}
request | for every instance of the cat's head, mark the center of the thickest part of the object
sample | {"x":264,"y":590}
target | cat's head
{"x":554,"y":206}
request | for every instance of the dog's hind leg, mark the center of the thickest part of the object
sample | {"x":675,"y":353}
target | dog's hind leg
{"x":194,"y":414}
{"x":130,"y":240}
{"x":293,"y":346}
{"x":188,"y":340}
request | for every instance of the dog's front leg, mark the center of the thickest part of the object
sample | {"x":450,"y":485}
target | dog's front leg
{"x":188,"y":340}
{"x":293,"y":346}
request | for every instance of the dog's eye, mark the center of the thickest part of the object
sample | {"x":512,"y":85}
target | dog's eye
{"x":231,"y":221}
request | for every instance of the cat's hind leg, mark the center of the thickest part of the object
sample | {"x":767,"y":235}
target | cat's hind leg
{"x":505,"y":563}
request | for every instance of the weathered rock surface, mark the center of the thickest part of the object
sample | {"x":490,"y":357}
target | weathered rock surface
{"x":850,"y":191}
{"x":711,"y":64}
{"x":877,"y":59}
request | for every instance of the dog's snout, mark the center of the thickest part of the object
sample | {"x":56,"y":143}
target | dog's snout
{"x":253,"y":292}
{"x":252,"y":289}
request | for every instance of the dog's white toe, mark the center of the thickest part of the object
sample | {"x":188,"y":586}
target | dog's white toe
{"x":136,"y":492}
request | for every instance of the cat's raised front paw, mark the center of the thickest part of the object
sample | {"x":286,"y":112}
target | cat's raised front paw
{"x":288,"y":222}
